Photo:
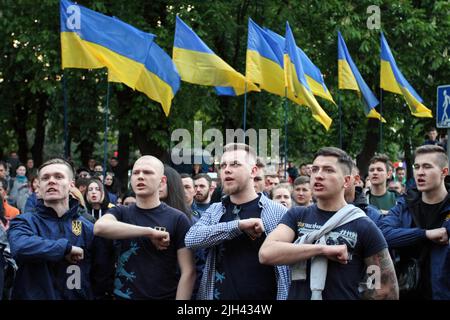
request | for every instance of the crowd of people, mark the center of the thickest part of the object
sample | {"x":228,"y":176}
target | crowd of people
{"x":320,"y":232}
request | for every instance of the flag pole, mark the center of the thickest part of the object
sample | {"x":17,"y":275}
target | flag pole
{"x":381,"y":122}
{"x":66,"y":133}
{"x":340,"y":120}
{"x":285,"y":131}
{"x":105,"y":154}
{"x":245,"y":110}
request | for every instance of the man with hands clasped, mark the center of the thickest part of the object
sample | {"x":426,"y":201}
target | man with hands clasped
{"x":54,"y":247}
{"x":417,"y":228}
{"x":233,"y":231}
{"x":153,"y":262}
{"x":334,"y":250}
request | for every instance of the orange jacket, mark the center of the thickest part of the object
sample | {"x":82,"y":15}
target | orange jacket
{"x":10,"y":211}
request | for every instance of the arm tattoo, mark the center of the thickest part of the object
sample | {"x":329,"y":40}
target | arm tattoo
{"x":381,"y":269}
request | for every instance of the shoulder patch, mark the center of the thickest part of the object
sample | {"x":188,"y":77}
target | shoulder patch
{"x":77,"y":227}
{"x":110,"y":205}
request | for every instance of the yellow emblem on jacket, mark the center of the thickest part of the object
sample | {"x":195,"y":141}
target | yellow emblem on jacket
{"x":447,"y":217}
{"x":76,"y":227}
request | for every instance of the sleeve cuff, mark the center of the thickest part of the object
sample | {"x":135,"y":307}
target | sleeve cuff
{"x":68,"y":249}
{"x":424,"y":233}
{"x":234,"y":227}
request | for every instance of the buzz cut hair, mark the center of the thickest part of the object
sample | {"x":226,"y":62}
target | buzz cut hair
{"x":441,"y":155}
{"x":204,"y":176}
{"x":241,"y":146}
{"x":59,"y":161}
{"x":343,"y":159}
{"x":301,"y":180}
{"x":381,"y":158}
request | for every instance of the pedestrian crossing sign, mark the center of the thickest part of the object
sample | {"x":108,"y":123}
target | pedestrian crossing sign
{"x":443,"y":107}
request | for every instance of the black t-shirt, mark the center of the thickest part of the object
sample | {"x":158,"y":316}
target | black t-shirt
{"x":429,"y":215}
{"x":143,"y":272}
{"x":363,"y":239}
{"x":239,"y":275}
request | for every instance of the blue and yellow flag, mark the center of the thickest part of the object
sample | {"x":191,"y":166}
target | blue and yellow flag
{"x":350,"y":78}
{"x":312,"y":73}
{"x":392,"y":80}
{"x":198,"y":64}
{"x":264,"y":64}
{"x":296,"y":81}
{"x":91,"y":40}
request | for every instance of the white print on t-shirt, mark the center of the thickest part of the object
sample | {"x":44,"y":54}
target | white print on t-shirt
{"x":342,"y":236}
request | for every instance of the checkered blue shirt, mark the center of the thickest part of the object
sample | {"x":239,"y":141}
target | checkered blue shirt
{"x":208,"y":232}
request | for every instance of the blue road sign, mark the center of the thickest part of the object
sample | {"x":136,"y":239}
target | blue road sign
{"x":443,"y":107}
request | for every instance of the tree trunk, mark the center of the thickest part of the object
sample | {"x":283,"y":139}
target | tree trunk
{"x":20,"y":127}
{"x":123,"y":103}
{"x":370,"y":146}
{"x":39,"y":137}
{"x":124,"y":158}
{"x":147,"y":147}
{"x":407,"y":144}
{"x":86,"y":148}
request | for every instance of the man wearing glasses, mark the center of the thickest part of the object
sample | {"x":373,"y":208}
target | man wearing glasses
{"x":234,"y":230}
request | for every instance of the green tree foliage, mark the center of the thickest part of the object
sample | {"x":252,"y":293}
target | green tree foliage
{"x":31,"y":90}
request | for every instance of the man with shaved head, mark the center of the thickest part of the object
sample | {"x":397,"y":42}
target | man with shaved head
{"x":153,"y":262}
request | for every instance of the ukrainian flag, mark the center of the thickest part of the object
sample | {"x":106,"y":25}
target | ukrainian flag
{"x":296,"y":81}
{"x":312,"y":72}
{"x":198,"y":64}
{"x":91,"y":40}
{"x":391,"y":79}
{"x":350,"y":78}
{"x":264,"y":64}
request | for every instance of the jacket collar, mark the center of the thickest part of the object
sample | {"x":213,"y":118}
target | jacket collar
{"x":43,"y":210}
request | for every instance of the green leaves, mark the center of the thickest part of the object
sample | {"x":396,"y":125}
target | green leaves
{"x":30,"y":65}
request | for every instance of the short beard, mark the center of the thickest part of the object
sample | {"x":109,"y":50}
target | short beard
{"x":233,"y":190}
{"x":201,"y":198}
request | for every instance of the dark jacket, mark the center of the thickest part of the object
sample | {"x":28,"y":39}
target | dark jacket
{"x":401,"y":233}
{"x":30,"y":205}
{"x":39,"y":242}
{"x":361,"y":202}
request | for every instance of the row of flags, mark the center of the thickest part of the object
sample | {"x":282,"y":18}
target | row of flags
{"x":274,"y":63}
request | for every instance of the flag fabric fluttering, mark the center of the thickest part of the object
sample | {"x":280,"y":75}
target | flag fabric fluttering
{"x":392,"y":80}
{"x":296,"y":82}
{"x":313,"y":74}
{"x":91,"y":40}
{"x":350,"y":78}
{"x":198,"y":64}
{"x":264,"y":60}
